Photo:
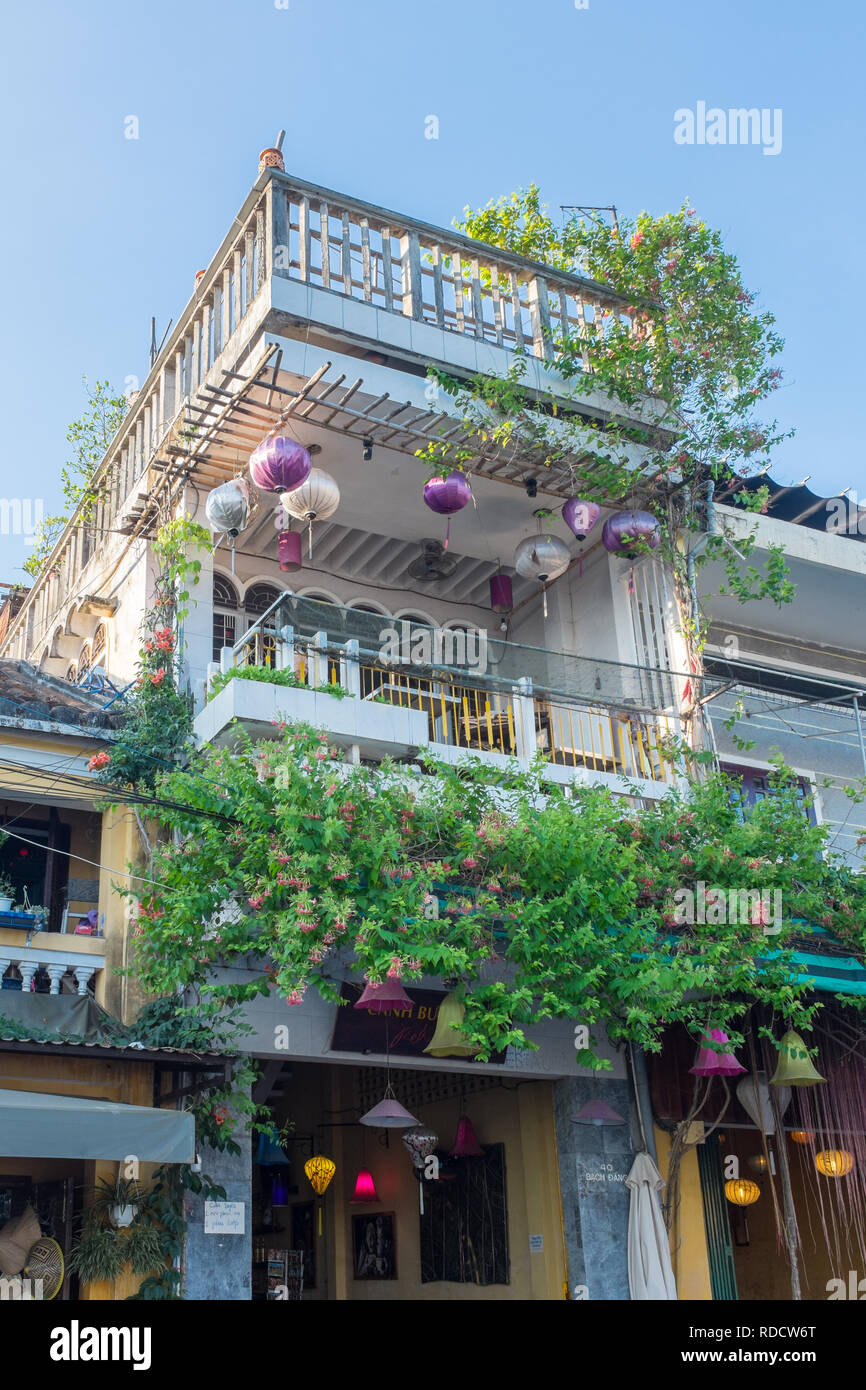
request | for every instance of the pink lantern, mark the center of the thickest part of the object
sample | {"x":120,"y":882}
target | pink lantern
{"x":280,"y":464}
{"x":384,"y":997}
{"x":466,"y":1144}
{"x":365,"y":1188}
{"x":710,"y":1063}
{"x":580,"y":517}
{"x":501,"y":595}
{"x":290,"y":550}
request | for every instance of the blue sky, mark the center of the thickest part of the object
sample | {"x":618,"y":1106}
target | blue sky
{"x":101,"y":232}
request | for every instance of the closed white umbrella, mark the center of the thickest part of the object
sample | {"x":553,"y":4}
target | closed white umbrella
{"x":650,"y":1273}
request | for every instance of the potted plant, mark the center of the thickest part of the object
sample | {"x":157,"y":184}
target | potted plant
{"x":117,"y":1232}
{"x":7,"y":893}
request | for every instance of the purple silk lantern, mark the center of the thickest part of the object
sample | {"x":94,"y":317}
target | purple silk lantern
{"x":710,"y":1063}
{"x":447,"y":496}
{"x":280,"y":465}
{"x":624,"y":530}
{"x":501,"y":595}
{"x":580,"y":517}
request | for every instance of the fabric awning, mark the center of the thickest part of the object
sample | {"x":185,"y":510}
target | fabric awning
{"x":34,"y":1124}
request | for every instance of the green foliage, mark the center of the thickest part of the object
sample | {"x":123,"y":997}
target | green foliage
{"x":270,"y":676}
{"x":90,"y":436}
{"x":572,"y":897}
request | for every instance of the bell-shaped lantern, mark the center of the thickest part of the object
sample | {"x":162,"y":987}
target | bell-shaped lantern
{"x":269,"y":1153}
{"x":580,"y":516}
{"x":317,"y":498}
{"x":384,"y":998}
{"x":466,"y":1144}
{"x":419,"y":1142}
{"x":626,"y":533}
{"x":753,"y":1093}
{"x":598,"y":1112}
{"x":365,"y":1188}
{"x":448,"y":1040}
{"x":795,"y":1066}
{"x":290,"y":550}
{"x":279,"y":464}
{"x":710,"y":1062}
{"x":227,"y":507}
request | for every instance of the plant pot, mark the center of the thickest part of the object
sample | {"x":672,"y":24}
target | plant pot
{"x":122,"y":1215}
{"x":5,"y":904}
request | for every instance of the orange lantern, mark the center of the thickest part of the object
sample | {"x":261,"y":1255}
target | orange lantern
{"x":834,"y":1163}
{"x":742,"y":1192}
{"x":802,"y":1136}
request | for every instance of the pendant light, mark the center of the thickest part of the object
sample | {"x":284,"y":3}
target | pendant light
{"x":315,"y":499}
{"x":543,"y":557}
{"x":795,"y":1067}
{"x":384,"y":997}
{"x":598,"y":1113}
{"x":389,"y":1113}
{"x":365,"y":1188}
{"x":466,"y":1144}
{"x":834,"y":1163}
{"x":279,"y":464}
{"x":710,"y":1062}
{"x":448,"y":495}
{"x":628,"y":533}
{"x":580,"y":516}
{"x":448,"y":1040}
{"x":753,"y":1093}
{"x":320,"y":1170}
{"x":290,"y":551}
{"x":420,"y":1142}
{"x":501,"y":594}
{"x":742,"y":1192}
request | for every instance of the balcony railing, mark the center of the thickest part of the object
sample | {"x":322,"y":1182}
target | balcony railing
{"x":478,"y":694}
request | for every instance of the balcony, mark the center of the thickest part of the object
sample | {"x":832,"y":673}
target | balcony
{"x":67,"y":967}
{"x":383,"y":690}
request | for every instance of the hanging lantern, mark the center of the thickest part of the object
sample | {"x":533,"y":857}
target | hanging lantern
{"x":542,"y":557}
{"x":466,"y":1144}
{"x":317,"y":498}
{"x":753,"y":1093}
{"x":227,"y":507}
{"x":742,"y":1192}
{"x":446,"y":496}
{"x":834,"y":1163}
{"x":501,"y":596}
{"x":279,"y":464}
{"x":389,"y":1114}
{"x":269,"y":1153}
{"x":580,"y":517}
{"x":384,"y":997}
{"x":795,"y":1066}
{"x":711,"y":1063}
{"x":419,"y":1142}
{"x":447,"y":1040}
{"x":803,"y":1136}
{"x":759,"y":1164}
{"x":597,"y":1112}
{"x":623,"y":532}
{"x":290,"y":550}
{"x":365,"y":1188}
{"x":320,"y":1170}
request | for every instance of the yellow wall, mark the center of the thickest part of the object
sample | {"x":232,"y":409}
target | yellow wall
{"x":688,"y":1237}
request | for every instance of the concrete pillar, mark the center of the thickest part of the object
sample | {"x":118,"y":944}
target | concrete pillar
{"x":218,"y":1268}
{"x":593,"y":1164}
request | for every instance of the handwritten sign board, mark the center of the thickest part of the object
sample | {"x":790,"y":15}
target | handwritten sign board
{"x":223,"y":1218}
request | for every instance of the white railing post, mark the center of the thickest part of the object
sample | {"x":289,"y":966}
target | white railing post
{"x":318,"y":665}
{"x":350,"y":668}
{"x":285,"y":653}
{"x":525,"y":723}
{"x":227,"y":659}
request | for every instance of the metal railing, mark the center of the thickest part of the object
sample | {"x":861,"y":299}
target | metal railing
{"x":516,"y":715}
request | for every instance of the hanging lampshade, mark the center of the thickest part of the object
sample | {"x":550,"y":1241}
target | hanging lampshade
{"x":742,"y":1192}
{"x":448,"y":495}
{"x":317,"y":498}
{"x":622,"y":532}
{"x":501,"y":596}
{"x":290,"y":550}
{"x":227,"y":507}
{"x":803,"y":1136}
{"x":389,"y":1114}
{"x":711,"y":1063}
{"x":320,"y":1170}
{"x":834,"y":1163}
{"x":279,"y":464}
{"x":365,"y":1188}
{"x":447,"y":1040}
{"x":758,"y":1106}
{"x":466,"y":1144}
{"x":795,"y":1066}
{"x":419,"y":1142}
{"x":541,"y":557}
{"x":269,"y":1153}
{"x":580,"y":516}
{"x":384,"y":997}
{"x":597,"y":1112}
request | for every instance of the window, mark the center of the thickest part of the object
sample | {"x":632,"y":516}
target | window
{"x":84,"y":661}
{"x":259,"y":599}
{"x":755,"y":786}
{"x":225,"y":614}
{"x":100,"y":646}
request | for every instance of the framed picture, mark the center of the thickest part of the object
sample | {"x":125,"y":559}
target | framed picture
{"x":374,"y":1245}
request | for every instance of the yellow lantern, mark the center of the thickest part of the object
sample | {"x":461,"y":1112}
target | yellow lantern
{"x":802,"y":1136}
{"x":320,"y":1170}
{"x":742,"y":1192}
{"x":834,"y":1163}
{"x":795,"y":1067}
{"x":448,"y":1041}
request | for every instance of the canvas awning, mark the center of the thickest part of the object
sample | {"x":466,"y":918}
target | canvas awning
{"x":34,"y":1124}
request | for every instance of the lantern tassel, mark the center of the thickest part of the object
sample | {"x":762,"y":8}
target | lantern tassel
{"x":320,"y":1218}
{"x":421,"y":1195}
{"x":545,"y":602}
{"x":310,"y":532}
{"x":447,"y":533}
{"x":631,"y":581}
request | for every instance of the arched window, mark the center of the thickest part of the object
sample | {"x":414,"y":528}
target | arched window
{"x":100,"y":646}
{"x":225,"y":614}
{"x":259,"y":598}
{"x":85,"y":661}
{"x":72,"y":673}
